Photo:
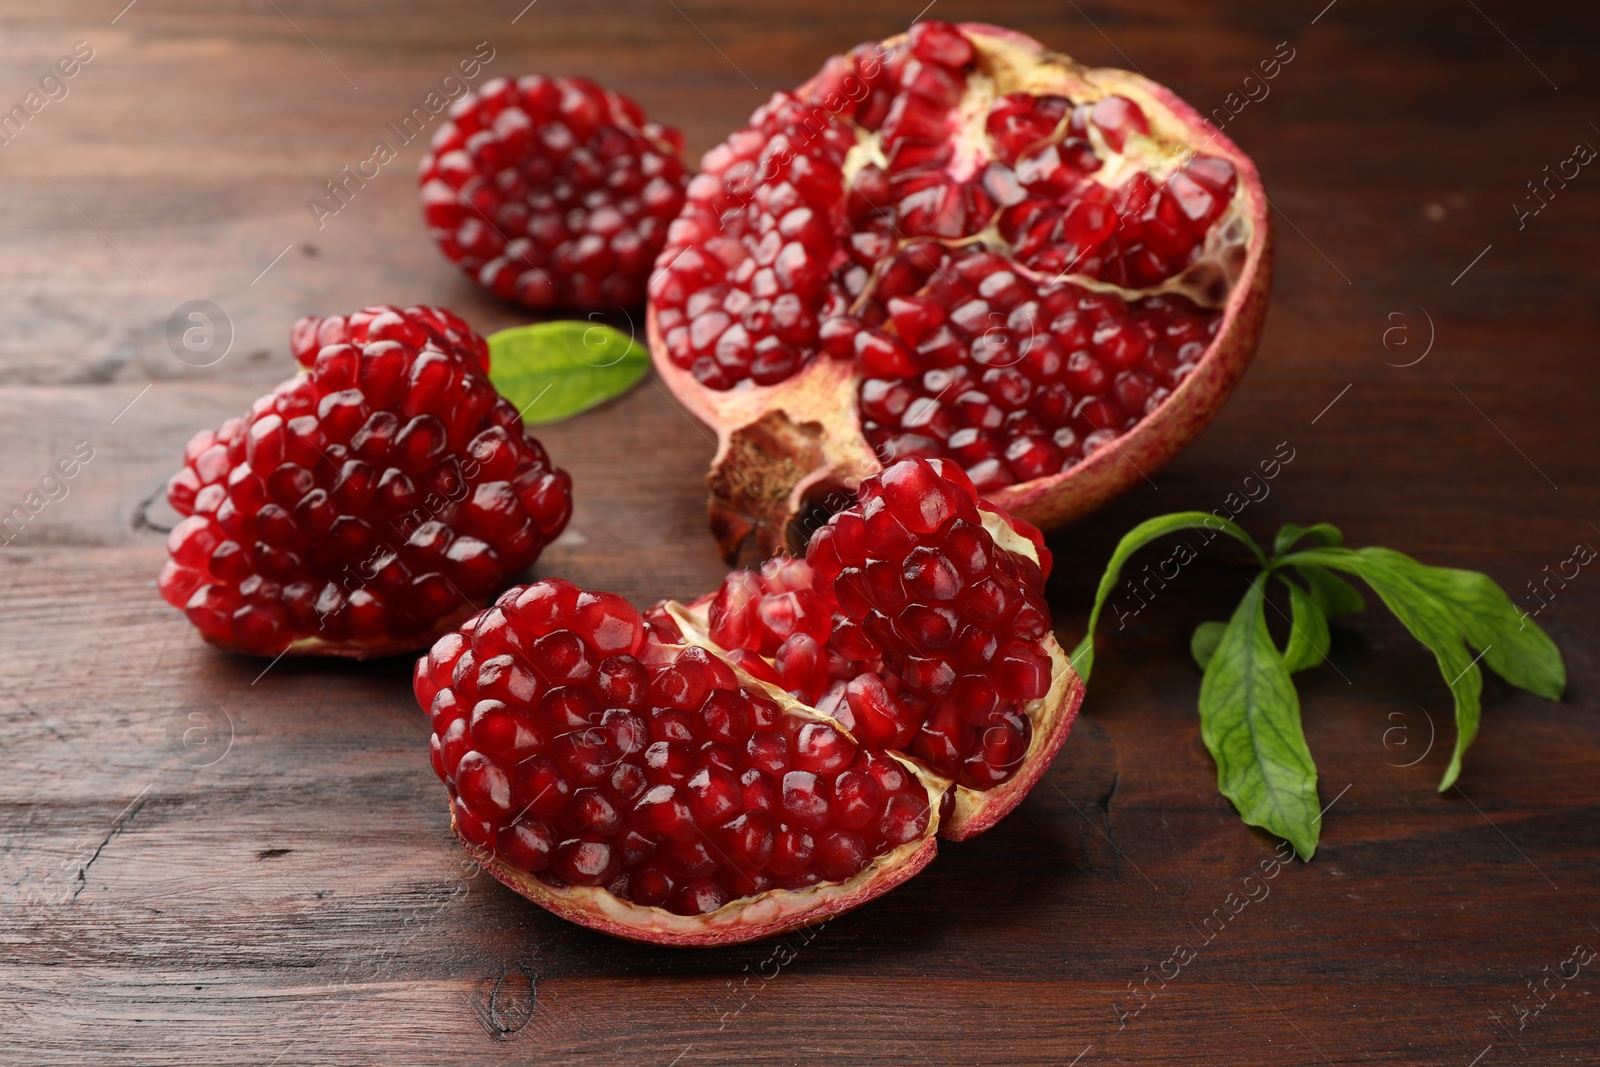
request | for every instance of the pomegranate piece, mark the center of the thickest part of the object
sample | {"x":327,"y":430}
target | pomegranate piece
{"x":365,"y":507}
{"x":777,"y":751}
{"x":651,"y":790}
{"x":553,"y":192}
{"x":957,"y":244}
{"x":958,"y":619}
{"x":940,"y":648}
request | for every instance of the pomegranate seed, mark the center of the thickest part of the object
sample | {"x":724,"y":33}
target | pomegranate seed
{"x":1117,"y":117}
{"x":883,"y":721}
{"x":939,"y":42}
{"x":856,"y":800}
{"x":802,"y":668}
{"x":840,"y":854}
{"x":804,"y":801}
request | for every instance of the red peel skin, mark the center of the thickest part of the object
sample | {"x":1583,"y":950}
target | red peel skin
{"x":783,"y":446}
{"x":714,"y":773}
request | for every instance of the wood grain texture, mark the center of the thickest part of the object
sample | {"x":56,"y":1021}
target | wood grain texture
{"x":288,"y":892}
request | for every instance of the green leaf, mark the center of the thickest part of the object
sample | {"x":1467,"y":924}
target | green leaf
{"x":1324,"y":533}
{"x":1250,"y":720}
{"x":553,"y":370}
{"x":1308,"y":630}
{"x":1331,"y":593}
{"x":1512,"y":645}
{"x":1203,"y":645}
{"x":1446,"y":609}
{"x":1137,"y":538}
{"x":1430,"y":621}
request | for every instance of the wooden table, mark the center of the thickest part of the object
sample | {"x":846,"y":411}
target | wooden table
{"x":202,"y":864}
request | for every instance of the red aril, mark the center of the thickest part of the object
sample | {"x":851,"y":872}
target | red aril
{"x":956,"y":244}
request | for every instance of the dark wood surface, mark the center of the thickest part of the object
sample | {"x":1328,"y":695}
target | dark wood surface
{"x":291,"y":894}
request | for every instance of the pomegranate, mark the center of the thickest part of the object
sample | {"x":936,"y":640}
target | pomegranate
{"x":365,"y":507}
{"x":773,"y":753}
{"x":958,"y":244}
{"x":552,"y":192}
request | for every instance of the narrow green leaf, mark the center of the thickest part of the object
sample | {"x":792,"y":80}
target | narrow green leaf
{"x":1250,"y":720}
{"x":1203,"y":645}
{"x":1513,"y":646}
{"x":553,"y":370}
{"x":1331,"y":593}
{"x":1324,"y":533}
{"x":1430,"y":621}
{"x":1308,"y":630}
{"x":1137,"y":538}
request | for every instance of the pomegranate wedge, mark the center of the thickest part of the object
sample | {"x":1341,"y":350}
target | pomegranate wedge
{"x":917,"y":619}
{"x":367,"y":506}
{"x":772,"y":754}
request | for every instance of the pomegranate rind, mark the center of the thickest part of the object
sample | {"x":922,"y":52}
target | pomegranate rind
{"x":780,"y":446}
{"x":751,"y":918}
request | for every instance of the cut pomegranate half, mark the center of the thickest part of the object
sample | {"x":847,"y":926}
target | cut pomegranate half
{"x":958,"y":244}
{"x":768,"y":755}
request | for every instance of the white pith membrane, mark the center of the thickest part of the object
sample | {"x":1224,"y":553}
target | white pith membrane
{"x":783,"y":445}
